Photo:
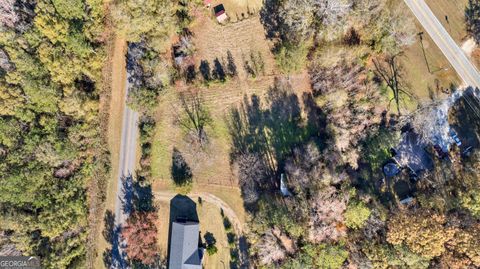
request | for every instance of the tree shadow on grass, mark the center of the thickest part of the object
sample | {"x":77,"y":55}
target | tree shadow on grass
{"x":205,"y":70}
{"x":270,"y":19}
{"x":218,"y":70}
{"x":272,"y":130}
{"x":180,"y":170}
{"x":231,"y":66}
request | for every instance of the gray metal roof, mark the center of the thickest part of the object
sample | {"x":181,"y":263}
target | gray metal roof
{"x":184,"y":251}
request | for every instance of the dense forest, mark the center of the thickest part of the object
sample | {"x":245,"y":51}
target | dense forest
{"x":51,"y":150}
{"x":340,"y":212}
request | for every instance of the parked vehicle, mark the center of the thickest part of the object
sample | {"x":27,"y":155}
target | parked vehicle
{"x":455,"y":138}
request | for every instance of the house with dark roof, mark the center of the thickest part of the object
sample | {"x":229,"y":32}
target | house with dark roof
{"x":411,"y":153}
{"x":184,"y":250}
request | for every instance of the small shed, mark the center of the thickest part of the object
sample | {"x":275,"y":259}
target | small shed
{"x":220,"y":13}
{"x":207,"y":3}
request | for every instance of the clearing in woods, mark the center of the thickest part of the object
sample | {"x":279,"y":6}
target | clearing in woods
{"x":211,"y":168}
{"x":212,"y":41}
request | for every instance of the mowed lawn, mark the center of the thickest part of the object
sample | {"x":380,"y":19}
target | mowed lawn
{"x":427,"y":69}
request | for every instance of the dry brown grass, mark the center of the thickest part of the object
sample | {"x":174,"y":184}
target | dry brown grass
{"x":455,"y":10}
{"x":163,"y":209}
{"x":456,"y":27}
{"x":211,"y":169}
{"x":213,"y":40}
{"x":418,"y":76}
{"x":117,"y":105}
{"x":239,"y":9}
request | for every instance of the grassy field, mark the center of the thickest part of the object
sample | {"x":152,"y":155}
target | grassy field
{"x":426,"y":68}
{"x":241,"y":39}
{"x":211,"y":168}
{"x":454,"y":10}
{"x":239,"y":9}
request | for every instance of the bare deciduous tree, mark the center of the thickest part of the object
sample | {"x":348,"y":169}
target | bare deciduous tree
{"x":389,"y":70}
{"x":301,"y":18}
{"x":326,"y":216}
{"x":8,"y":16}
{"x":269,"y":249}
{"x":194,"y":117}
{"x":304,"y":168}
{"x":252,"y":170}
{"x":352,"y":100}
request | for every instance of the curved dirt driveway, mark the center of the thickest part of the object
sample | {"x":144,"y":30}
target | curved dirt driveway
{"x":209,"y":198}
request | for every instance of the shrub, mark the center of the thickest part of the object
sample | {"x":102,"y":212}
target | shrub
{"x":291,"y":58}
{"x":356,"y":215}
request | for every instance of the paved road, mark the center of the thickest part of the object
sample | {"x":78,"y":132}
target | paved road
{"x":457,"y":58}
{"x":127,"y":160}
{"x":128,"y":147}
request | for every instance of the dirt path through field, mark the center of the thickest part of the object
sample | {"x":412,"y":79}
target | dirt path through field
{"x":115,"y":78}
{"x":117,"y":102}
